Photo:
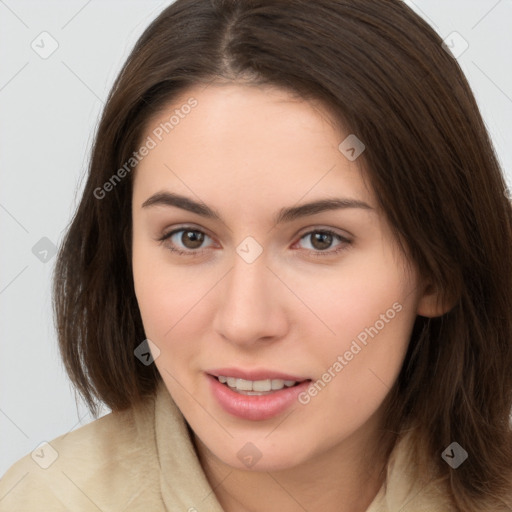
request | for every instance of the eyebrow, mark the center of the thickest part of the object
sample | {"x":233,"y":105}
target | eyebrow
{"x":287,"y":214}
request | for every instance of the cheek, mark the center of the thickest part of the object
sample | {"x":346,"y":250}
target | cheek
{"x":354,"y":296}
{"x":152,"y":284}
{"x":370,"y":310}
{"x":168,"y":298}
{"x":154,"y":303}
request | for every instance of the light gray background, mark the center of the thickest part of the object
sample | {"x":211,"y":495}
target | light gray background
{"x":49,"y":110}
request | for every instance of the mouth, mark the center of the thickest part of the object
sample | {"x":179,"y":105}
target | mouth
{"x":255,"y":395}
{"x":258,"y":399}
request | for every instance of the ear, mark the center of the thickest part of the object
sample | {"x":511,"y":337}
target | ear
{"x":432,"y":303}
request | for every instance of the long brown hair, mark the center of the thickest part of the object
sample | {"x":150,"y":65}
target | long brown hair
{"x":384,"y":74}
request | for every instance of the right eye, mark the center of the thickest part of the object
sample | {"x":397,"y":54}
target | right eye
{"x":187,"y":243}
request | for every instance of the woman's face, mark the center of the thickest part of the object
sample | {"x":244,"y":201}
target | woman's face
{"x":264,"y":289}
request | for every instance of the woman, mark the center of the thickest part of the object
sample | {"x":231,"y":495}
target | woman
{"x":289,"y":276}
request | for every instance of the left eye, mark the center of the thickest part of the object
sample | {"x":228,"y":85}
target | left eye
{"x":190,"y":241}
{"x":322,"y":240}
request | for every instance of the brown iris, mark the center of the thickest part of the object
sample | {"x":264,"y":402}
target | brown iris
{"x":194,"y":238}
{"x":321,"y":241}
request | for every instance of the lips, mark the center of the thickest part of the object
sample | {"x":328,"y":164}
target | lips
{"x":255,"y":408}
{"x":252,"y":405}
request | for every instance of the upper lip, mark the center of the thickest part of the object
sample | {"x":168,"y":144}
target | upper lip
{"x":261,"y":374}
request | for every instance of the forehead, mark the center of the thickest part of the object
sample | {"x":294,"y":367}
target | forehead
{"x":250,"y":143}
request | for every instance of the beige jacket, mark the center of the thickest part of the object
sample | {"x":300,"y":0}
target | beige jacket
{"x":143,"y":460}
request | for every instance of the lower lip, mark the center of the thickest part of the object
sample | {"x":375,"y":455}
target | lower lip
{"x":255,"y":407}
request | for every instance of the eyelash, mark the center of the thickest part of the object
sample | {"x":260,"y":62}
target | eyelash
{"x":316,"y":253}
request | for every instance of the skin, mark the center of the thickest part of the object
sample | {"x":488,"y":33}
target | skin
{"x":246,"y":152}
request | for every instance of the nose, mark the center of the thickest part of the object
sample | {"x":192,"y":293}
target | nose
{"x":252,"y":304}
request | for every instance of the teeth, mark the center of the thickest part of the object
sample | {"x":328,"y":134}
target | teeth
{"x":243,"y":385}
{"x":262,"y":385}
{"x":277,"y":383}
{"x":256,"y":385}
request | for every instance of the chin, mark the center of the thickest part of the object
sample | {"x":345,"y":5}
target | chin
{"x":260,"y":458}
